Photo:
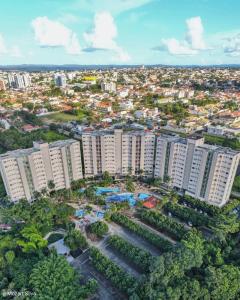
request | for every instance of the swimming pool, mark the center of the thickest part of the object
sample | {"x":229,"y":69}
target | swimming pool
{"x":105,"y":190}
{"x":122,"y":198}
{"x":143,"y":196}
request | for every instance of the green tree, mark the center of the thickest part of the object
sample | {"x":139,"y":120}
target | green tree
{"x":10,"y":256}
{"x":157,"y":181}
{"x":98,"y":228}
{"x":62,"y":214}
{"x":53,"y":278}
{"x":130,"y":184}
{"x":107,"y":179}
{"x":31,"y":240}
{"x":75,"y":240}
{"x":223,"y":282}
{"x":163,"y":201}
{"x":90,"y":193}
{"x":236,"y":184}
{"x":51,"y":185}
{"x":77,"y":184}
{"x":225,"y":224}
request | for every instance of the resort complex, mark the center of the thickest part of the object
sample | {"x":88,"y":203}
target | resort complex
{"x":187,"y":165}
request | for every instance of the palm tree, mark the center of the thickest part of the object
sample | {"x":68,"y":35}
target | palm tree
{"x":168,"y":180}
{"x":129,"y":171}
{"x":174,"y":197}
{"x":44,"y":191}
{"x":141,"y":172}
{"x":51,"y":185}
{"x":90,"y":193}
{"x":36,"y":195}
{"x":157,"y":181}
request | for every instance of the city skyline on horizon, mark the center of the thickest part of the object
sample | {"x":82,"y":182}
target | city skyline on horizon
{"x":123,"y":32}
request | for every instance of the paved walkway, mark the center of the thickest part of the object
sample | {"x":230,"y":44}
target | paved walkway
{"x":155,"y":231}
{"x":60,"y":231}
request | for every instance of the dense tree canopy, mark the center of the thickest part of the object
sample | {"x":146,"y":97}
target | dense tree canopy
{"x":75,"y":240}
{"x":98,"y":228}
{"x":53,"y":278}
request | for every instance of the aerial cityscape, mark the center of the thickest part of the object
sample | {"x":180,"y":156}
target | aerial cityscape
{"x":120,"y":150}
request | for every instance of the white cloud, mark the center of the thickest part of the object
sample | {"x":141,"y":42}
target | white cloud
{"x":3,"y":48}
{"x":232,"y":45}
{"x":103,"y":36}
{"x":104,"y":32}
{"x":195,"y":33}
{"x":191,"y":45}
{"x":176,"y":47}
{"x":50,"y":33}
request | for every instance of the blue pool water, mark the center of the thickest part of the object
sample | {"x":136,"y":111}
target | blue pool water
{"x":122,"y":198}
{"x":105,"y":190}
{"x":79,"y":213}
{"x":100,"y":214}
{"x":143,"y":196}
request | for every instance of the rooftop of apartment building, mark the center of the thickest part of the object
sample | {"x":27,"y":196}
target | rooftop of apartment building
{"x":219,"y":149}
{"x":103,"y":132}
{"x":35,"y":148}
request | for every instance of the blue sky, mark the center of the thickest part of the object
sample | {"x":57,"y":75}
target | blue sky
{"x":120,"y":32}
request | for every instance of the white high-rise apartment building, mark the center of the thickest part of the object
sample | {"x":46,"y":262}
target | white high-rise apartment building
{"x":27,"y":171}
{"x":11,"y":80}
{"x":118,"y":152}
{"x":212,"y":174}
{"x":203,"y":171}
{"x":163,"y":147}
{"x":138,"y":153}
{"x":60,"y":80}
{"x":19,"y":81}
{"x":26,"y":79}
{"x":2,"y":85}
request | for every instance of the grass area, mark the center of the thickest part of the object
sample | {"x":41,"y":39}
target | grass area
{"x":182,"y":134}
{"x":54,"y":237}
{"x":59,"y":117}
{"x":233,"y":143}
{"x":51,"y":136}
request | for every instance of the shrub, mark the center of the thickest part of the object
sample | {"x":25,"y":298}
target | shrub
{"x":98,"y":228}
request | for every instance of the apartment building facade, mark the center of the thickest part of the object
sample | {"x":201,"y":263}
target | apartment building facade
{"x":200,"y":170}
{"x":119,"y":153}
{"x":27,"y":171}
{"x":212,"y":174}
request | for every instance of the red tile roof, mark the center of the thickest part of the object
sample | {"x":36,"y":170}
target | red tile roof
{"x":151,"y":202}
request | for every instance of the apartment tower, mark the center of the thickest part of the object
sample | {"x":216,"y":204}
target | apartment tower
{"x":27,"y":171}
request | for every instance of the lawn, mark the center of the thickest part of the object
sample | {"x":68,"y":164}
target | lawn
{"x":222,"y":141}
{"x":59,"y":117}
{"x":51,"y":136}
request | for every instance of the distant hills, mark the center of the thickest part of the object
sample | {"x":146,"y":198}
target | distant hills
{"x":73,"y":67}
